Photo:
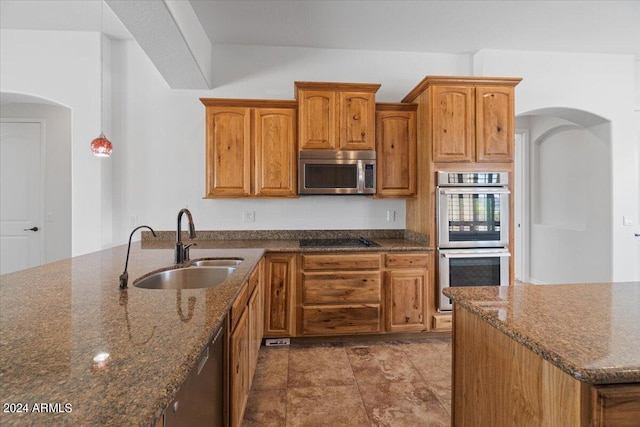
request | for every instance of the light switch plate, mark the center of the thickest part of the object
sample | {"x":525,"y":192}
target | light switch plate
{"x":627,"y":221}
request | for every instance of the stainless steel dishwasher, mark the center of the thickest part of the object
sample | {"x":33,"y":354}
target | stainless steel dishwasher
{"x":200,"y":399}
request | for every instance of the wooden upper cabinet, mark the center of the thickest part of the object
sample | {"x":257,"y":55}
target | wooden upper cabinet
{"x":357,"y":115}
{"x":453,"y":130}
{"x":396,"y":149}
{"x":228,"y":151}
{"x":318,"y":120}
{"x":336,"y":116}
{"x":494,"y":124}
{"x":251,"y":148}
{"x":468,"y":119}
{"x":275,"y":152}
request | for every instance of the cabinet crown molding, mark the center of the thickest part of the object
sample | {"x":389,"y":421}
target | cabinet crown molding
{"x":248,"y":103}
{"x":337,"y":86}
{"x":459,"y":80}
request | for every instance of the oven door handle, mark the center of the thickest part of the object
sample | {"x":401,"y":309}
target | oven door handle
{"x":475,"y":254}
{"x":474,"y":191}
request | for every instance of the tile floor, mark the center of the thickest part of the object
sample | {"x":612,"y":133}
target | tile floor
{"x":378,"y":383}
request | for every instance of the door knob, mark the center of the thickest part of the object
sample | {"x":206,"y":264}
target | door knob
{"x":31,"y":229}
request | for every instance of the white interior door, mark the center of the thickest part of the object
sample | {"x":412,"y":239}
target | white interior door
{"x":20,"y":195}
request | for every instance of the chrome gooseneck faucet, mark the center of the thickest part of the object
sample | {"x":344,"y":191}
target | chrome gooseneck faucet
{"x":124,"y":277}
{"x":182,"y":251}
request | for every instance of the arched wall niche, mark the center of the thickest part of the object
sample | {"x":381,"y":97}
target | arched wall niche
{"x":569,"y":188}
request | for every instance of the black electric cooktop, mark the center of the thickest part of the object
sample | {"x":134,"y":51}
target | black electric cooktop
{"x":337,"y":243}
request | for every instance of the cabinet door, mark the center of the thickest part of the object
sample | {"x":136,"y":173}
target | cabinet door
{"x":494,"y":124}
{"x":453,"y":124}
{"x":256,"y":327}
{"x":279,"y":297}
{"x":275,"y":152}
{"x":317,"y":118}
{"x":357,"y":121}
{"x":406,"y":302}
{"x":228,"y":152}
{"x":396,"y":153}
{"x":239,"y":361}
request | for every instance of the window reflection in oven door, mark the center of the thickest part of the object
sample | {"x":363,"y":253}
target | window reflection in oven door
{"x":471,"y":267}
{"x":473,"y":217}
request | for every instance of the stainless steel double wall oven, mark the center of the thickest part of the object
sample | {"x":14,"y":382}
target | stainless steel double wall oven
{"x":473,"y":230}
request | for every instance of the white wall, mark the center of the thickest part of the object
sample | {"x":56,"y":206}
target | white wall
{"x":64,"y":67}
{"x":159,"y":134}
{"x":57,"y":179}
{"x":605,"y":86}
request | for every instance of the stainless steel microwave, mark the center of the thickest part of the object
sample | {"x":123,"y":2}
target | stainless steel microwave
{"x":336,"y":172}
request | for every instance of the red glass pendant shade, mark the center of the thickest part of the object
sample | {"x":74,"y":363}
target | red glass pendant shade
{"x":101,"y":146}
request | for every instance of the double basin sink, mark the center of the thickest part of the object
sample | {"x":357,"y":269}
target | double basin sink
{"x":202,"y":273}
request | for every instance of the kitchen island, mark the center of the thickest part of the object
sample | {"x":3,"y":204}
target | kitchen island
{"x":532,"y":355}
{"x":76,"y":350}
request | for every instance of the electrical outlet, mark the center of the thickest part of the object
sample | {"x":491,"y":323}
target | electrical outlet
{"x":391,"y":216}
{"x":627,"y":221}
{"x":249,"y":216}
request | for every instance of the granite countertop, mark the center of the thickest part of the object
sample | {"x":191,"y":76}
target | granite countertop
{"x":590,"y":331}
{"x":56,"y":318}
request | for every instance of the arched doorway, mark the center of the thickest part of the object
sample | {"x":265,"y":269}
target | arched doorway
{"x":50,"y":122}
{"x":564,"y":202}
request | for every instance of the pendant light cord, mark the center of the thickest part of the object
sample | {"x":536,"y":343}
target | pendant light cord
{"x":101,"y":66}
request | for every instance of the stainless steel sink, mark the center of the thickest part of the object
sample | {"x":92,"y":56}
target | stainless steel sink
{"x":215,"y":262}
{"x":186,"y":278}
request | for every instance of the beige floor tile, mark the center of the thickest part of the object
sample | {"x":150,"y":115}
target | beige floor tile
{"x":382,"y":363}
{"x":319,"y":366}
{"x":333,"y":406}
{"x":266,"y":408}
{"x":400,"y":404}
{"x":272,"y":370}
{"x":433,"y":361}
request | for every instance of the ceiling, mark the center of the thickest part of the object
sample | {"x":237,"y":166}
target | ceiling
{"x":178,"y":35}
{"x":454,"y":26}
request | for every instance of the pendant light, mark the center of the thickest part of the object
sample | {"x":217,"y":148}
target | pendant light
{"x":101,"y":146}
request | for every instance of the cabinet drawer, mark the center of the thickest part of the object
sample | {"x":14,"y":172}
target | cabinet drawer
{"x":341,"y":261}
{"x":341,"y":319}
{"x":406,"y":260}
{"x":254,"y":279}
{"x":238,"y":306}
{"x":341,"y":287}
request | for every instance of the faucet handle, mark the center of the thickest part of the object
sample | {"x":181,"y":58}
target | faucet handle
{"x":185,"y":251}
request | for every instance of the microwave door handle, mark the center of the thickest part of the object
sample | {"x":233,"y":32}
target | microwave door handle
{"x":360,"y":183}
{"x":474,"y":191}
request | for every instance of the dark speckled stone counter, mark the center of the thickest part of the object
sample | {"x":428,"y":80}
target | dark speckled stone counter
{"x":590,"y":331}
{"x":55,"y":319}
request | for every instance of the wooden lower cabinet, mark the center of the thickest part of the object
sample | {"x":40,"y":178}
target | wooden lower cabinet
{"x":256,"y":319}
{"x":280,"y":271}
{"x":244,"y":343}
{"x":239,"y":375}
{"x":615,"y":405}
{"x":341,"y":319}
{"x":406,"y":306}
{"x":339,"y":294}
{"x":406,"y":281}
{"x":498,"y":381}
